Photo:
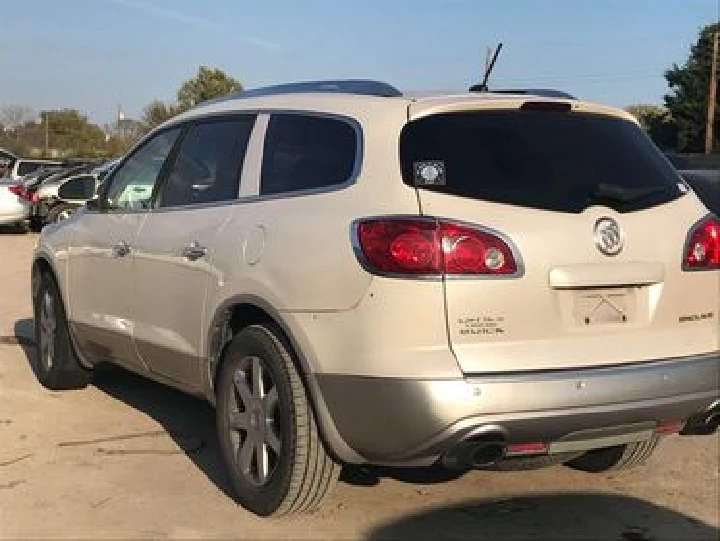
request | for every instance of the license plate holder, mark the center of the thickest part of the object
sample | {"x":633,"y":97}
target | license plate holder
{"x":604,"y":306}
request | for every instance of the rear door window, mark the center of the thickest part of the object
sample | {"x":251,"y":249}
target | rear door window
{"x":208,"y":166}
{"x":558,"y":161}
{"x":304,"y":152}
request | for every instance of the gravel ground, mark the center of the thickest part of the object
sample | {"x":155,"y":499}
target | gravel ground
{"x":127,"y":458}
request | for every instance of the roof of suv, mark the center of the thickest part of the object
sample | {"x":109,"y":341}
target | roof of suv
{"x":364,"y":96}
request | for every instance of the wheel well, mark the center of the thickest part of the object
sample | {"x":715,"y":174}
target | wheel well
{"x":234,"y":319}
{"x":244,"y":315}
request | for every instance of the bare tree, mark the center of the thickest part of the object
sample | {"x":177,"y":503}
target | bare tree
{"x":12,"y":116}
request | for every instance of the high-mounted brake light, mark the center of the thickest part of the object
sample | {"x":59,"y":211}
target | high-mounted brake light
{"x":702,"y":251}
{"x":556,"y":106}
{"x":429,"y":247}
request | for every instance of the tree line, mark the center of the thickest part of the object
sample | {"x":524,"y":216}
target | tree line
{"x":677,"y":126}
{"x":69,"y":133}
{"x":680,"y":124}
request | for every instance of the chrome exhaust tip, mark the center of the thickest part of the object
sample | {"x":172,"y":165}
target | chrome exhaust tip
{"x":487,"y":454}
{"x":476,"y":452}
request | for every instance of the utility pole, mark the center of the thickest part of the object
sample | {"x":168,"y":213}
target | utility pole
{"x":47,"y":134}
{"x":712,"y":98}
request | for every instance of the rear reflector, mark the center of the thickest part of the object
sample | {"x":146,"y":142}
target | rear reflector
{"x":430,"y":247}
{"x":535,"y":448}
{"x":702,"y":251}
{"x":669,"y":427}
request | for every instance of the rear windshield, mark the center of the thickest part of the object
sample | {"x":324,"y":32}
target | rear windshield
{"x":559,"y":161}
{"x":25,"y":168}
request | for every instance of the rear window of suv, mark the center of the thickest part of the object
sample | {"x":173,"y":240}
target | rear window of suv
{"x":25,"y":168}
{"x":558,"y":161}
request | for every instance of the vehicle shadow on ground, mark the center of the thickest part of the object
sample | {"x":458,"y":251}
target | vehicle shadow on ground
{"x":370,"y":476}
{"x":13,"y":229}
{"x":555,"y":516}
{"x":188,"y":421}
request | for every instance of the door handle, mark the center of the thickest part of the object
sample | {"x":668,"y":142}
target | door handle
{"x":194,"y":251}
{"x":121,"y":249}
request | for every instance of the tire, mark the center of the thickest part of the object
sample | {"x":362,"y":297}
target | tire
{"x":22,"y":227}
{"x":523,"y":463}
{"x":36,"y":224}
{"x":621,"y":457}
{"x":56,"y":365}
{"x":298,"y":473}
{"x":59,"y":212}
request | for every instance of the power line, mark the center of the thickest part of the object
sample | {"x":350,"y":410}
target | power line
{"x":588,"y":78}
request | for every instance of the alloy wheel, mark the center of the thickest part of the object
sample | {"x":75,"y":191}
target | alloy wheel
{"x":48,"y":329}
{"x":253,"y":421}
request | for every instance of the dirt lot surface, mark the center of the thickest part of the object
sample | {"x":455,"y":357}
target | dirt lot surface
{"x":127,"y":458}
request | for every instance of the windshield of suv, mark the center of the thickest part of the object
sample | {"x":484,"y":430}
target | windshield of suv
{"x":549,"y":160}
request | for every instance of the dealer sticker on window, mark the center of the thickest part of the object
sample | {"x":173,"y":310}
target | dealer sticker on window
{"x":429,"y":173}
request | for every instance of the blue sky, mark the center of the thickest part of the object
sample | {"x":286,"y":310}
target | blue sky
{"x":95,"y":54}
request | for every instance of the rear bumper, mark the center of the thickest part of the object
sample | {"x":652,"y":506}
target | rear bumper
{"x":412,"y":421}
{"x":14,"y":213}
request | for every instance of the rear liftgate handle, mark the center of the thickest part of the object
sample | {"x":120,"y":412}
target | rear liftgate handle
{"x":194,"y":251}
{"x":121,"y":249}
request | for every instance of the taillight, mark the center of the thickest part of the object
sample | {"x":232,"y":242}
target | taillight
{"x":430,"y":247}
{"x":702,"y":251}
{"x":35,"y":197}
{"x":17,"y":190}
{"x":400,"y":246}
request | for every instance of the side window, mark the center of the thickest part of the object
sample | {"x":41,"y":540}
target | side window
{"x":131,"y":185}
{"x":207,"y":168}
{"x":304,"y":152}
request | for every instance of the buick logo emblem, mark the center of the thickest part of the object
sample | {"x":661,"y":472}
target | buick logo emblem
{"x":609,"y":238}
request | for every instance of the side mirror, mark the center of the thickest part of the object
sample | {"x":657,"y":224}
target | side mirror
{"x":93,"y":204}
{"x":78,"y":189}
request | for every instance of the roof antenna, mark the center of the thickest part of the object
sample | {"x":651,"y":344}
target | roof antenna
{"x":483,"y":87}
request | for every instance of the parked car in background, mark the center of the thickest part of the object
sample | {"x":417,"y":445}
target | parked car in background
{"x":14,"y":207}
{"x":42,"y":191}
{"x":25,"y":166}
{"x":356,"y":276}
{"x":7,"y":159}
